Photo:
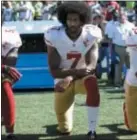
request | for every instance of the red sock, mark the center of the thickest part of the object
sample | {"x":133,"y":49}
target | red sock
{"x":93,"y":96}
{"x":8,"y":107}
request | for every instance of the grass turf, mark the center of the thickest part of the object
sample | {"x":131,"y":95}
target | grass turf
{"x":36,"y":118}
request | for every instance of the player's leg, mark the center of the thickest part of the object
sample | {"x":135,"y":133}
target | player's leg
{"x":89,"y":86}
{"x":130,"y":108}
{"x":8,"y":108}
{"x":118,"y":67}
{"x":8,"y":103}
{"x":127,"y":60}
{"x":64,"y":103}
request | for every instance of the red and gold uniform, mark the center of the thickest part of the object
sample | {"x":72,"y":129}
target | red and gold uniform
{"x":73,"y":55}
{"x":130,"y":105}
{"x":11,"y":42}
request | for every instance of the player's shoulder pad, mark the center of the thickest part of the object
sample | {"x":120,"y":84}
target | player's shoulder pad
{"x":54,"y":29}
{"x":93,"y":30}
{"x":51,"y":34}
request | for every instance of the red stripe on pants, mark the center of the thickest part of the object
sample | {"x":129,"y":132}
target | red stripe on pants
{"x":125,"y":116}
{"x":8,"y":107}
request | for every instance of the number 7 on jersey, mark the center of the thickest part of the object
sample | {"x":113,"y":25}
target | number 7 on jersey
{"x":74,"y":55}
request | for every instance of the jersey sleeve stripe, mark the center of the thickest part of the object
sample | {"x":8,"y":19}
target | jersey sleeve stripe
{"x":48,"y":42}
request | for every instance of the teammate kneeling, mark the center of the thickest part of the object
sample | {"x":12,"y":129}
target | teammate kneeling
{"x":11,"y":42}
{"x":72,"y":55}
{"x":130,"y":105}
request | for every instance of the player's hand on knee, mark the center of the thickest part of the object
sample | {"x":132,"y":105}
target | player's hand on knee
{"x":83,"y":72}
{"x":63,"y":84}
{"x":13,"y":72}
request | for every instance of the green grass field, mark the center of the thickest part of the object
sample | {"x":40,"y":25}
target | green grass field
{"x":36,"y":118}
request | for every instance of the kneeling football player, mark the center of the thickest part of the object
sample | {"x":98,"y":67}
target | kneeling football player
{"x":11,"y":42}
{"x":130,"y":105}
{"x":72,"y":55}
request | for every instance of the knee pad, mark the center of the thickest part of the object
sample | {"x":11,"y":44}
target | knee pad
{"x":93,"y":96}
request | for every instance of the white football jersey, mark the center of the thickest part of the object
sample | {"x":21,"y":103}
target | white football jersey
{"x":10,"y":39}
{"x":72,"y":52}
{"x":132,"y":49}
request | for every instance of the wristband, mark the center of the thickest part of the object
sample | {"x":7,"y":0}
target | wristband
{"x":5,"y":68}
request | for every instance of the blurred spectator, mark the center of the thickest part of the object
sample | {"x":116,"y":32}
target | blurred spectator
{"x":108,"y":33}
{"x":122,"y":3}
{"x":98,"y":20}
{"x":90,"y":2}
{"x":95,"y":6}
{"x":109,"y":5}
{"x":135,"y":8}
{"x":25,"y":10}
{"x":15,"y":5}
{"x":130,"y":5}
{"x":7,"y":11}
{"x":96,"y":17}
{"x":112,"y":22}
{"x":118,"y":36}
{"x":54,"y":10}
{"x":38,"y":10}
{"x":130,"y":10}
{"x":46,"y":10}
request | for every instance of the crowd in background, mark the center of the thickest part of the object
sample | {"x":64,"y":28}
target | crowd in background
{"x":115,"y":18}
{"x":116,"y":21}
{"x":29,"y":10}
{"x":46,"y":10}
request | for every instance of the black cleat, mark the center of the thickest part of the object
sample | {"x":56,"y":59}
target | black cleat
{"x":63,"y":133}
{"x":11,"y":137}
{"x":92,"y":135}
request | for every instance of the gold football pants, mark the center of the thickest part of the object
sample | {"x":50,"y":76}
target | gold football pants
{"x":130,"y":107}
{"x":64,"y":102}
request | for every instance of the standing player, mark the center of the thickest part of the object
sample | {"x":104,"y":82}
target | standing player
{"x":130,"y":105}
{"x":10,"y":44}
{"x":72,"y":55}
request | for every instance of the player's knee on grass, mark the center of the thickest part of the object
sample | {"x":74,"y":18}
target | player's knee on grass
{"x":125,"y":116}
{"x":93,"y":96}
{"x":65,"y":121}
{"x":130,"y":120}
{"x":63,"y":128}
{"x":130,"y":110}
{"x":64,"y":103}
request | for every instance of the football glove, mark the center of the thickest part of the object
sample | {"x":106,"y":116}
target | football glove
{"x":13,"y":72}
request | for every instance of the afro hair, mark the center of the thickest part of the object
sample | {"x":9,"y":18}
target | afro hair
{"x":80,"y":8}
